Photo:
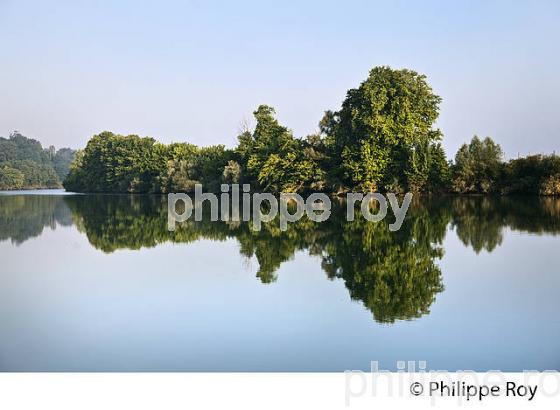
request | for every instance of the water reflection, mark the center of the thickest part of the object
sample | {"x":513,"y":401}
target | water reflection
{"x":394,"y":274}
{"x":25,"y":216}
{"x":480,"y":221}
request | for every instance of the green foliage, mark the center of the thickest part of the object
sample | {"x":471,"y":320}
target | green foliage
{"x":274,"y":159}
{"x":36,"y":175}
{"x":18,"y":147}
{"x":382,"y":139}
{"x":478,"y":167}
{"x":11,"y":178}
{"x":117,"y":163}
{"x":535,"y":174}
{"x":210,"y":164}
{"x":114,"y":163}
{"x":25,"y":164}
{"x":439,"y":171}
{"x":382,"y":131}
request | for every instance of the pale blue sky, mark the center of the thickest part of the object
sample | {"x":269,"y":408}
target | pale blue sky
{"x":193,"y":70}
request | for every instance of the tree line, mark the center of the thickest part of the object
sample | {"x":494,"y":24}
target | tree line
{"x":383,"y":138}
{"x":24,"y":164}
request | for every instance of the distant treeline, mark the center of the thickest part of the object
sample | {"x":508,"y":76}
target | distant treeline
{"x":24,"y":164}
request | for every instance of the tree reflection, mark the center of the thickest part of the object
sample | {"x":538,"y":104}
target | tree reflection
{"x":394,"y":274}
{"x":23,"y":217}
{"x":480,"y":220}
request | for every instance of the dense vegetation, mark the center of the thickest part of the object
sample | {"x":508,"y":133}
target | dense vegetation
{"x":383,"y":138}
{"x":479,"y":168}
{"x":116,"y":163}
{"x":24,"y":164}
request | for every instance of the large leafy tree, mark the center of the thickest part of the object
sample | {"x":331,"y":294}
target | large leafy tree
{"x":382,"y":130}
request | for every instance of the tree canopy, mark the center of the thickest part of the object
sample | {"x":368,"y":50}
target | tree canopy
{"x":383,"y":138}
{"x":383,"y":132}
{"x":25,"y":164}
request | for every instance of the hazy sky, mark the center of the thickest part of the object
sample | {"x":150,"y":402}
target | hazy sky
{"x":193,"y":70}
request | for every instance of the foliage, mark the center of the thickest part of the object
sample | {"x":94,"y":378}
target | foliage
{"x":274,"y":159}
{"x":232,"y":173}
{"x":383,"y":138}
{"x":477,"y":167}
{"x":36,"y":175}
{"x":439,"y":170}
{"x":117,"y":163}
{"x":62,"y":160}
{"x":551,"y":186}
{"x":25,"y":164}
{"x":383,"y":130}
{"x":11,"y":178}
{"x":535,"y":174}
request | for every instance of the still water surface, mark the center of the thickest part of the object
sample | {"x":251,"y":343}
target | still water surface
{"x":97,"y":283}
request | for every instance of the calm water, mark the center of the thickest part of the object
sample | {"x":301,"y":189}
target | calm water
{"x":97,"y":283}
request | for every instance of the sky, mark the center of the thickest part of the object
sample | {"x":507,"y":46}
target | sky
{"x":195,"y":71}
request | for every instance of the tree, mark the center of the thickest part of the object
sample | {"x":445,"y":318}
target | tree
{"x":179,"y":176}
{"x":273,"y":158}
{"x":388,"y":118}
{"x":116,"y":163}
{"x":477,"y":166}
{"x":62,"y":160}
{"x":439,"y":173}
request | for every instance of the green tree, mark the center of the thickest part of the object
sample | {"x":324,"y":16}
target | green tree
{"x":384,"y":125}
{"x":116,"y":163}
{"x":439,"y":172}
{"x":478,"y":166}
{"x":274,"y":159}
